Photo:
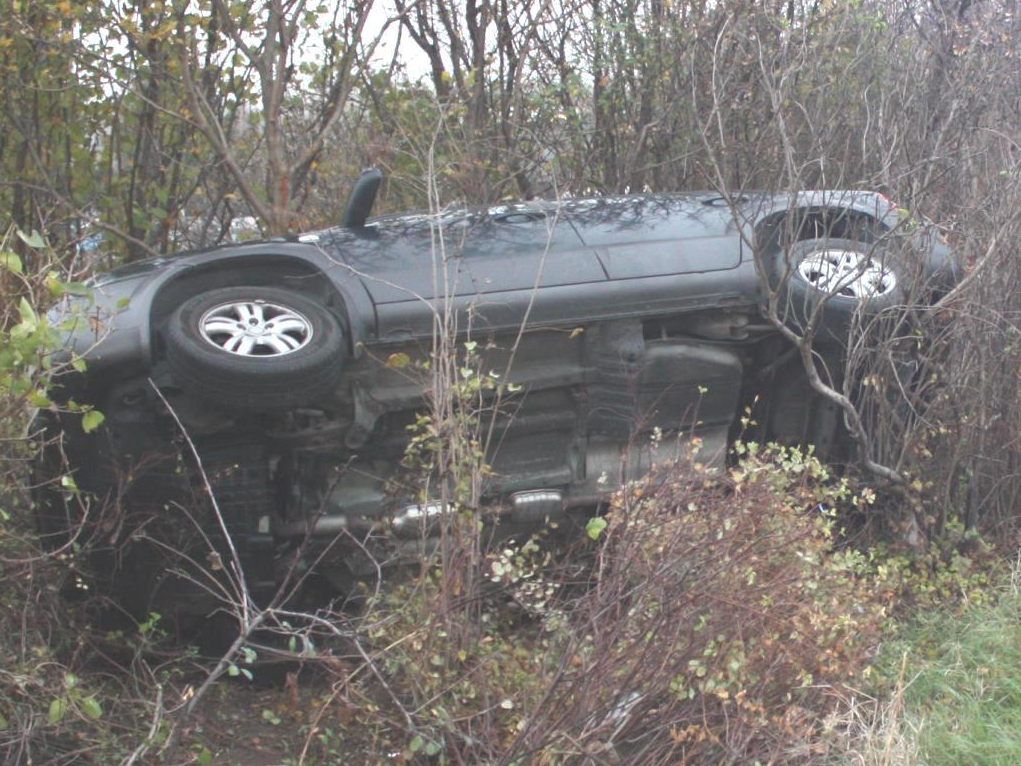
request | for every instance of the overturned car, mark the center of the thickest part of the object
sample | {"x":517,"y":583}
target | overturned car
{"x":285,"y":377}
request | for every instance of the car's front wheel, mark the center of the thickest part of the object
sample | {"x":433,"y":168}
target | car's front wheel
{"x":252,"y":347}
{"x":837,"y":280}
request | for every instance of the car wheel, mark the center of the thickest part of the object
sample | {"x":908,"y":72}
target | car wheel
{"x":255,"y":348}
{"x":845,"y":277}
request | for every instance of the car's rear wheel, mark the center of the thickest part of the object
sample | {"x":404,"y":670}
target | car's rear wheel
{"x":252,"y":347}
{"x":839,"y":278}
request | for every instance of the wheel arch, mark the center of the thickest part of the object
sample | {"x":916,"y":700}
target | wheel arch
{"x":785,"y":227}
{"x":256,"y":270}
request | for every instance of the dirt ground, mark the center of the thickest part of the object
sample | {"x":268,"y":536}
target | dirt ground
{"x":270,"y":721}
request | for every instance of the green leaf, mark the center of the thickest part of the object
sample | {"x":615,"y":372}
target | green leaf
{"x":594,"y":528}
{"x":11,"y":261}
{"x":80,"y":288}
{"x":28,"y":315}
{"x":58,"y":709}
{"x":433,"y":748}
{"x":92,"y":420}
{"x":204,"y":757}
{"x":398,"y":360}
{"x":34,"y":240}
{"x":150,"y":623}
{"x":416,"y":743}
{"x":271,"y":717}
{"x":38,"y":399}
{"x":4,"y":723}
{"x":233,"y":670}
{"x":92,"y":708}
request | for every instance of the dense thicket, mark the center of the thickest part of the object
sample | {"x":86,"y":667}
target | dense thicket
{"x":160,"y":122}
{"x":174,"y":124}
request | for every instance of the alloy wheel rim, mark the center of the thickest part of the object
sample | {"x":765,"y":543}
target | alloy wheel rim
{"x":255,"y":328}
{"x":847,"y":274}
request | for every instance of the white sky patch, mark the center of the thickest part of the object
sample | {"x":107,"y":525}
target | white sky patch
{"x":395,"y":42}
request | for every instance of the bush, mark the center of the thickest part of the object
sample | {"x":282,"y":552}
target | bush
{"x":717,"y":617}
{"x":713,"y":618}
{"x":53,"y":709}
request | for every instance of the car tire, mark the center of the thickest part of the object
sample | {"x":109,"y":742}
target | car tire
{"x":845,"y":277}
{"x":252,"y":347}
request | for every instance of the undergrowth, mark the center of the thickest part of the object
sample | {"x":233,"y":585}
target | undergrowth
{"x":711,"y":619}
{"x":70,"y":692}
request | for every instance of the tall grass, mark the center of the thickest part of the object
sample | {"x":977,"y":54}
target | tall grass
{"x":968,"y":685}
{"x":954,"y":691}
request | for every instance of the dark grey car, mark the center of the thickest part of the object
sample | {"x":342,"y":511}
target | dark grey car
{"x":297,"y":365}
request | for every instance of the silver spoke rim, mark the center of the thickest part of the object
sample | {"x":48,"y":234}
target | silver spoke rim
{"x":243,"y":311}
{"x":255,"y":328}
{"x":221,"y":325}
{"x":847,"y":274}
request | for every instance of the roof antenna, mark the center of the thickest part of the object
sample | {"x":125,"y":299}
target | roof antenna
{"x":363,"y":195}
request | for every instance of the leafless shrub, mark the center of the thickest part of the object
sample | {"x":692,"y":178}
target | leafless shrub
{"x":905,"y":100}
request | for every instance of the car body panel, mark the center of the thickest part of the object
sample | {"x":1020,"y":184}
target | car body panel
{"x":514,"y":261}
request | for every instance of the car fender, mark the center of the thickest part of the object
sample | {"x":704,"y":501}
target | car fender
{"x":112,"y":327}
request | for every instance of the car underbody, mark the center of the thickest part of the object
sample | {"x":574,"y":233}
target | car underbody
{"x":591,"y":408}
